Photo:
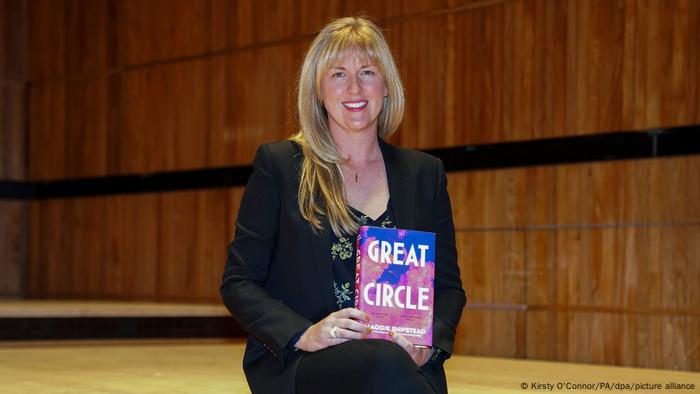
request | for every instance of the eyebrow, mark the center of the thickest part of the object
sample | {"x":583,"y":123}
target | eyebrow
{"x":343,"y":67}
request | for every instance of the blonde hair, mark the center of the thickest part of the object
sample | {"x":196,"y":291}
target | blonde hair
{"x":321,"y":188}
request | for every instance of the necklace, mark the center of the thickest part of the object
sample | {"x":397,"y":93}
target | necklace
{"x":354,"y":171}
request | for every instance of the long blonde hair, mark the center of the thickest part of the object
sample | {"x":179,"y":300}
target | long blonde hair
{"x":321,"y":187}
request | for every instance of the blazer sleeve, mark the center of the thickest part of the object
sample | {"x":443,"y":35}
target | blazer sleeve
{"x":449,"y":294}
{"x":250,"y":255}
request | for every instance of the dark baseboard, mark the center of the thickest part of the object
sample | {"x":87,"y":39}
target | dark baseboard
{"x":51,"y":328}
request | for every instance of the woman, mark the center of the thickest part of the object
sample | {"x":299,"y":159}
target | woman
{"x":289,"y":269}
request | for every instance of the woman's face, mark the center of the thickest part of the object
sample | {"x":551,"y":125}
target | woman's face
{"x":353,"y":91}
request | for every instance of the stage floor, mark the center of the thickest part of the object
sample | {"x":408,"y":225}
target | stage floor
{"x":66,"y":308}
{"x":214,"y":366}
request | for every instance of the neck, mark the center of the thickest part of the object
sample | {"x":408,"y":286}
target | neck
{"x":357,"y":148}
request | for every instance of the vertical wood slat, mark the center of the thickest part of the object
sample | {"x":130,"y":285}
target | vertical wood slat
{"x":600,"y":81}
{"x":86,"y":125}
{"x":13,"y":214}
{"x":667,"y":86}
{"x":12,"y":131}
{"x":13,"y":229}
{"x":13,"y":40}
{"x":425,"y":79}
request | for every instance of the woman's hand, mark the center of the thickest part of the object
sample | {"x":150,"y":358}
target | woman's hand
{"x":336,"y":328}
{"x":418,"y":354}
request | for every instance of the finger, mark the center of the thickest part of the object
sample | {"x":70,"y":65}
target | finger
{"x":423,"y":355}
{"x":342,"y":333}
{"x":352,"y":313}
{"x":403,"y":342}
{"x":352,"y":325}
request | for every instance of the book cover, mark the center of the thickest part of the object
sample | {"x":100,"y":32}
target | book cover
{"x":394,"y":280}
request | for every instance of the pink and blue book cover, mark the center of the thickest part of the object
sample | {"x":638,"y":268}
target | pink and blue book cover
{"x":394,"y":282}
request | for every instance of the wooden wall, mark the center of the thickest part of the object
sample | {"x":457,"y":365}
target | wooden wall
{"x":590,"y":262}
{"x":13,"y":214}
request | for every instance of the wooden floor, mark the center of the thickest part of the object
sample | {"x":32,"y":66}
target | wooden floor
{"x":68,"y":308}
{"x":214,"y":366}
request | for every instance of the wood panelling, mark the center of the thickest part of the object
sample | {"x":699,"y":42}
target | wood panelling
{"x":70,"y":37}
{"x":13,"y":228}
{"x":476,"y":72}
{"x":665,"y":36}
{"x":493,"y":333}
{"x":423,"y":76}
{"x":47,"y":134}
{"x":233,"y":26}
{"x":167,"y":246}
{"x":252,"y":101}
{"x":12,"y":131}
{"x":493,"y":266}
{"x":12,"y":247}
{"x":651,"y":268}
{"x":600,"y":259}
{"x":640,"y":339}
{"x":164,"y":124}
{"x":13,"y":36}
{"x":13,"y":63}
{"x":628,"y":191}
{"x":69,"y":129}
{"x":605,"y":193}
{"x":599,"y":72}
{"x":47,"y":43}
{"x":161,"y":29}
{"x":593,"y":262}
{"x":502,"y":198}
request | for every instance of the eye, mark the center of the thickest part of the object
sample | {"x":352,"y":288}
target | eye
{"x":367,"y":73}
{"x":338,"y":74}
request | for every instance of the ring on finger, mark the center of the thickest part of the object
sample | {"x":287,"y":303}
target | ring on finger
{"x":333,"y":332}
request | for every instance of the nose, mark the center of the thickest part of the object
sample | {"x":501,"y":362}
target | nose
{"x":353,"y":84}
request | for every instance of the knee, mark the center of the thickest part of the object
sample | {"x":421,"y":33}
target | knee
{"x":391,"y":368}
{"x":377,"y":355}
{"x":390,"y":356}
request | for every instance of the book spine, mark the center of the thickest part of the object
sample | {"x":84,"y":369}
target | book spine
{"x":358,"y":255}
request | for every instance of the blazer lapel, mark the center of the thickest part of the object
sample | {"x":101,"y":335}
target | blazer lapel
{"x":401,"y":186}
{"x":320,"y":245}
{"x":402,"y":192}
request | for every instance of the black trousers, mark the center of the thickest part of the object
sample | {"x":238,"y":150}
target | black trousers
{"x":366,"y":366}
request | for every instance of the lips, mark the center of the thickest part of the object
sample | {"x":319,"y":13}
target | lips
{"x":355,"y":105}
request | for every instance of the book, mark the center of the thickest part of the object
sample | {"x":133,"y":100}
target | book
{"x":394,"y":282}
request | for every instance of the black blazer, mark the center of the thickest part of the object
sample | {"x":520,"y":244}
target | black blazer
{"x":278,"y":277}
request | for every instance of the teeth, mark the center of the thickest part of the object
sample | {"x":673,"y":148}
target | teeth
{"x":355,"y":105}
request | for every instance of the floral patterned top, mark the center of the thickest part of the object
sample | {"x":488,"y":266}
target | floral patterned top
{"x":343,"y":251}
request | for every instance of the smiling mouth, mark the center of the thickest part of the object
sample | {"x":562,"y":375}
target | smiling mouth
{"x":355,"y":105}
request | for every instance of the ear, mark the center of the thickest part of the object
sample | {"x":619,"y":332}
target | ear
{"x":386,"y":90}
